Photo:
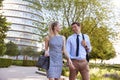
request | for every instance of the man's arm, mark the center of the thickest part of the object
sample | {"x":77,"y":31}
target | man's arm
{"x":86,"y":43}
{"x":88,"y":46}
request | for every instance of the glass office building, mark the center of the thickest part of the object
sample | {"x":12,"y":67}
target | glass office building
{"x":23,"y":19}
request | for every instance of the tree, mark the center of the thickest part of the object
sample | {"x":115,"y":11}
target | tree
{"x":36,"y":54}
{"x":27,"y":51}
{"x":12,"y":49}
{"x":67,"y":11}
{"x":66,"y":31}
{"x":100,"y":40}
{"x":93,"y":16}
{"x":102,"y":47}
{"x":3,"y":30}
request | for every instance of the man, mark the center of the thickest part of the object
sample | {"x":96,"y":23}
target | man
{"x":76,"y":48}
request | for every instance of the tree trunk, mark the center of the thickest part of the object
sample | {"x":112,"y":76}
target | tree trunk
{"x":24,"y":57}
{"x":17,"y":57}
{"x":101,"y":61}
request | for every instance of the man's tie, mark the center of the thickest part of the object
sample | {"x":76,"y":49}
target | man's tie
{"x":77,"y":45}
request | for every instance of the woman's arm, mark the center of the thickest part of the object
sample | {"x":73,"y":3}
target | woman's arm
{"x":64,"y":49}
{"x":66,"y":54}
{"x":46,"y":45}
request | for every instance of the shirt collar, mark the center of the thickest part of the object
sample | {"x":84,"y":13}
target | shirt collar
{"x":80,"y":34}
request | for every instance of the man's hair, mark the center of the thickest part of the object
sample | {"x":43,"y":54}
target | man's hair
{"x":77,"y":23}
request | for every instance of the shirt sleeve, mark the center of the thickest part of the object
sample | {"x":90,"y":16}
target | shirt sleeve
{"x":88,"y":43}
{"x":68,"y":46}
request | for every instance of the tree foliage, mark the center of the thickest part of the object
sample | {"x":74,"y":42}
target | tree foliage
{"x":92,"y":15}
{"x":66,"y":31}
{"x":102,"y":47}
{"x":68,"y":11}
{"x":27,"y":51}
{"x":12,"y":49}
{"x":3,"y":30}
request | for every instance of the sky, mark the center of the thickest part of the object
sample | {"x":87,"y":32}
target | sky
{"x":116,"y":3}
{"x":116,"y":11}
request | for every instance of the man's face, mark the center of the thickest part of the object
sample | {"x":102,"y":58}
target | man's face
{"x":75,"y":28}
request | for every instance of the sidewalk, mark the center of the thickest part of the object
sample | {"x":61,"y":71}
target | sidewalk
{"x":21,"y":73}
{"x":43,"y":73}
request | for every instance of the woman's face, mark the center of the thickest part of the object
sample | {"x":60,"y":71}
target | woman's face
{"x":57,"y":28}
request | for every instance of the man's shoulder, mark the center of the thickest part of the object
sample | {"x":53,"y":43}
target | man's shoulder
{"x":71,"y":36}
{"x":86,"y":35}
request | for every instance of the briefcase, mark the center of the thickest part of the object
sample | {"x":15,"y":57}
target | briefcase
{"x":43,"y":62}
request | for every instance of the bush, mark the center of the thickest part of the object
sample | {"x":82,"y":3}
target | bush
{"x":65,"y":71}
{"x":17,"y":62}
{"x":24,"y":62}
{"x":99,"y":72}
{"x":104,"y":66}
{"x":29,"y":63}
{"x":5,"y":62}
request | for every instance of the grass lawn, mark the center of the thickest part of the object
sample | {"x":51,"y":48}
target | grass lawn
{"x":101,"y":72}
{"x":97,"y":71}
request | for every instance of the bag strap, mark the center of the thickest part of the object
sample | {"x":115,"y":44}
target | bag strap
{"x":87,"y":55}
{"x":83,"y":37}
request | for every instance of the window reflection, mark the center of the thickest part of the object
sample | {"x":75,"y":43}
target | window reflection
{"x":22,"y":35}
{"x":22,"y":21}
{"x":23,"y":41}
{"x":23,"y":30}
{"x":21,"y":14}
{"x":20,"y":7}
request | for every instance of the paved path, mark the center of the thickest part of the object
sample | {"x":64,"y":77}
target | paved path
{"x":20,"y":73}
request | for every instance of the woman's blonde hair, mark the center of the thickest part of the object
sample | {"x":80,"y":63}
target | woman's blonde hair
{"x":51,"y":28}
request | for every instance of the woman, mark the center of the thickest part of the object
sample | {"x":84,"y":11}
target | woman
{"x":56,"y":45}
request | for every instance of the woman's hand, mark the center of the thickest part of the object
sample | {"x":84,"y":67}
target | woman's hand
{"x":46,"y":53}
{"x":70,"y":64}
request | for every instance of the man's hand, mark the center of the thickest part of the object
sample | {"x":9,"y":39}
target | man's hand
{"x":84,"y":45}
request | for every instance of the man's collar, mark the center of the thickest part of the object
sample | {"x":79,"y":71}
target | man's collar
{"x":78,"y":34}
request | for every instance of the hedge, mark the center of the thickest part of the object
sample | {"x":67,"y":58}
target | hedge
{"x":4,"y":62}
{"x":17,"y":62}
{"x":29,"y":63}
